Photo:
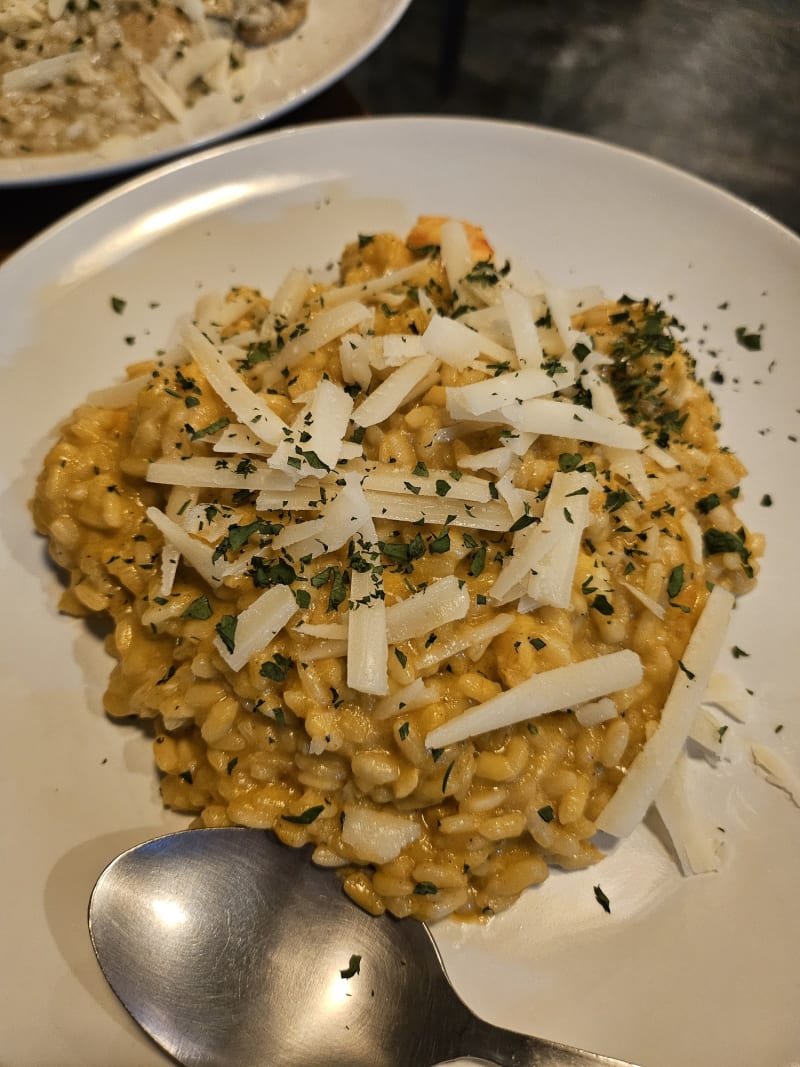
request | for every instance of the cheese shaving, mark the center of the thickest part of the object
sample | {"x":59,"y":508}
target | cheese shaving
{"x":393,"y":391}
{"x":446,"y":600}
{"x":406,"y":698}
{"x":250,"y":408}
{"x":368,"y":637}
{"x":728,"y":692}
{"x":649,"y":770}
{"x":508,"y":388}
{"x":553,"y":690}
{"x":525,"y":336}
{"x":258,"y":626}
{"x":560,"y":419}
{"x":474,"y":641}
{"x":195,"y":552}
{"x":326,"y":326}
{"x":698,"y":844}
{"x":777,"y":771}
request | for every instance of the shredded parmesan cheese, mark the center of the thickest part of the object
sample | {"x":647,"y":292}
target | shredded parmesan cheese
{"x":258,"y":626}
{"x":649,"y":770}
{"x":553,"y":690}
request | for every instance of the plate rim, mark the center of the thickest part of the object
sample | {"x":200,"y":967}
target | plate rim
{"x":257,"y":141}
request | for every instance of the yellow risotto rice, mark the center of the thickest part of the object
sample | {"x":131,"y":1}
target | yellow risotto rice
{"x":286,"y":739}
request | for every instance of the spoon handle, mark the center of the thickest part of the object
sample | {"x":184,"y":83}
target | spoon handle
{"x":506,"y":1048}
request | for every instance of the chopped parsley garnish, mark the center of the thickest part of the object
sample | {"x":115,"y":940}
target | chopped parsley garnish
{"x":478,"y":563}
{"x":198,"y":609}
{"x":569,"y":461}
{"x":750,"y":341}
{"x":425,"y":889}
{"x":675,"y":583}
{"x":447,"y":774}
{"x":305,"y":817}
{"x":602,"y":899}
{"x":213,"y":427}
{"x":707,"y":503}
{"x":718,"y":541}
{"x":277,"y":668}
{"x":353,"y":967}
{"x":439,"y":545}
{"x":601,"y":604}
{"x":226,"y":628}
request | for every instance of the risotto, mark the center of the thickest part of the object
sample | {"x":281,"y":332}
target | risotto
{"x":417,"y":567}
{"x":75,"y":73}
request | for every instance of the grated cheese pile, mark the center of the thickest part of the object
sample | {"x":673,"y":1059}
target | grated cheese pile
{"x":536,"y":549}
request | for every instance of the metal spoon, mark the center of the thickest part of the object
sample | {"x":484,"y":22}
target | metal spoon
{"x":232,"y":950}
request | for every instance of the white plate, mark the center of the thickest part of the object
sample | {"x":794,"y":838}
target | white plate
{"x":336,"y":36}
{"x":698,"y":972}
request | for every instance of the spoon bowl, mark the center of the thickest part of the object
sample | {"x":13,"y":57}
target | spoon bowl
{"x":232,"y":950}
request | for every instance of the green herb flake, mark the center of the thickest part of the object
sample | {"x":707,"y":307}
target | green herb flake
{"x":118,"y":305}
{"x":675,"y":583}
{"x":720,"y":541}
{"x":602,"y":899}
{"x":353,"y":967}
{"x":546,"y":813}
{"x":226,"y":628}
{"x":302,"y":598}
{"x":277,"y":668}
{"x":601,"y":604}
{"x":305,"y":817}
{"x":569,"y":461}
{"x":198,"y":609}
{"x":425,"y":889}
{"x":439,"y":545}
{"x":478,"y":563}
{"x":689,"y":674}
{"x":447,"y":774}
{"x":616,"y":499}
{"x":707,"y":503}
{"x":750,"y":341}
{"x":522,"y":522}
{"x":213,"y":427}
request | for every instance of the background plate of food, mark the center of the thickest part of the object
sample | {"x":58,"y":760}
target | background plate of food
{"x":635,"y":955}
{"x":89,"y":88}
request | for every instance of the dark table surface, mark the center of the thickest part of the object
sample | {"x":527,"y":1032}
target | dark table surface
{"x":710,"y":86}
